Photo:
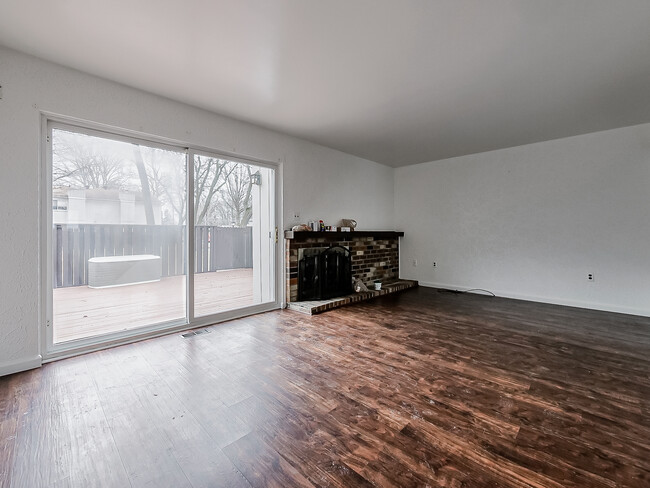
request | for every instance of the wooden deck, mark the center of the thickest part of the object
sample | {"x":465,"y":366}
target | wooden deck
{"x":81,"y":312}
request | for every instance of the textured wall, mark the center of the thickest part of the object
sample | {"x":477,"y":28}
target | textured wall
{"x":319,"y":182}
{"x":533,"y":221}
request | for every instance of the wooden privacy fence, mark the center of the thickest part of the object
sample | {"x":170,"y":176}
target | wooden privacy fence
{"x":215,"y":248}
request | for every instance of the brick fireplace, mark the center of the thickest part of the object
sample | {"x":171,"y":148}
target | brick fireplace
{"x":374,"y":256}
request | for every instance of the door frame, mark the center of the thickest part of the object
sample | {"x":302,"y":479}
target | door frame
{"x":51,"y":351}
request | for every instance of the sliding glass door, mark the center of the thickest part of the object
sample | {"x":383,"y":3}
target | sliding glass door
{"x":117,"y":235}
{"x":234,"y":233}
{"x":119,"y":259}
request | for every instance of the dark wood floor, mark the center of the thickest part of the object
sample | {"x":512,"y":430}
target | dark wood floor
{"x":420,"y":389}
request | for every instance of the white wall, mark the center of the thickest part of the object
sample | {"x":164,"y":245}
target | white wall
{"x":319,"y":182}
{"x":532,"y":221}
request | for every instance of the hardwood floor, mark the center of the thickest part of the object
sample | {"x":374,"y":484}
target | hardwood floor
{"x":422,"y":388}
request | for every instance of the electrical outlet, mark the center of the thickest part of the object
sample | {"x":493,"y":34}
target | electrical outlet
{"x":435,"y":265}
{"x":296,"y":215}
{"x":590,"y":277}
{"x":415,"y":262}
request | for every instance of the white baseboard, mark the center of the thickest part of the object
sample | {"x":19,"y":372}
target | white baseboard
{"x":552,"y":300}
{"x":18,"y":365}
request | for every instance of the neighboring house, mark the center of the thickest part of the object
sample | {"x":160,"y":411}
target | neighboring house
{"x":99,"y":206}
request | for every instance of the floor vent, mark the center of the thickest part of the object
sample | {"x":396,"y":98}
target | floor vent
{"x":195,"y":332}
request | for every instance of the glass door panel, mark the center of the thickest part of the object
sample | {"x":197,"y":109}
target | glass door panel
{"x":118,"y":235}
{"x":234,"y":235}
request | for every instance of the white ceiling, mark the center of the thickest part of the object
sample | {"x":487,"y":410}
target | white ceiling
{"x":394,"y":81}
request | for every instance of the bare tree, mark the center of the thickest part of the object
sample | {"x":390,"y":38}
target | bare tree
{"x":222,"y":189}
{"x":235,"y":203}
{"x":210,"y":175}
{"x":84,"y":165}
{"x":169,"y":187}
{"x":166,"y":184}
{"x":144,"y":184}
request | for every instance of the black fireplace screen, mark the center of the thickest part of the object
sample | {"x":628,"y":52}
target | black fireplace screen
{"x":326,"y":274}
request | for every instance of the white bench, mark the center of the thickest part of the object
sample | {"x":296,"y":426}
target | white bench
{"x":123,"y":270}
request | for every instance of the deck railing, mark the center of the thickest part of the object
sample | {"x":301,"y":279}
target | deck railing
{"x":216,"y":248}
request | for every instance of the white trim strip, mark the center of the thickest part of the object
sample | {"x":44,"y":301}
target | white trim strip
{"x":10,"y":367}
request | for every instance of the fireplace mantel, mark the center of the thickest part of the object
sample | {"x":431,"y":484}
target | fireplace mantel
{"x":342,"y":236}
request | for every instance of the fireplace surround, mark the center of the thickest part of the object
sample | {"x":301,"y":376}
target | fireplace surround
{"x":374,"y":255}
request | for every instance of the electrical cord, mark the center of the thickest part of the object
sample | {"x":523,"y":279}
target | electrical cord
{"x":468,"y":291}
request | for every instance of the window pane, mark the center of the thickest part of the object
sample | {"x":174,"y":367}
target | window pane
{"x":118,"y":242}
{"x":233,"y":252}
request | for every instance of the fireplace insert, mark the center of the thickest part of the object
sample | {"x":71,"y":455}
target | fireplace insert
{"x":324,"y":274}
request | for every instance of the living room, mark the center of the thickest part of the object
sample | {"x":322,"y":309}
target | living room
{"x":510,"y":144}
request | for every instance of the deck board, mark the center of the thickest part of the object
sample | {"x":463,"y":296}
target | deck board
{"x":81,"y":311}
